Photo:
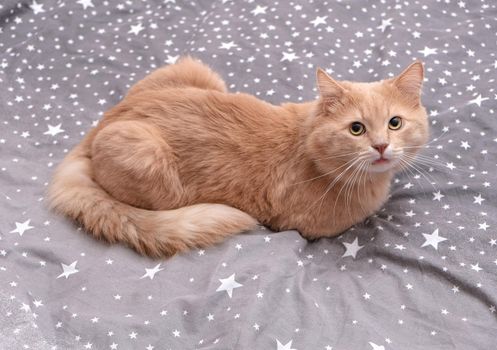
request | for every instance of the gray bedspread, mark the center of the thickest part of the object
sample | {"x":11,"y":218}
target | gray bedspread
{"x":421,"y":274}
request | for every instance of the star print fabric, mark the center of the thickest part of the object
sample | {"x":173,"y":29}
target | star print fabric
{"x":421,"y":274}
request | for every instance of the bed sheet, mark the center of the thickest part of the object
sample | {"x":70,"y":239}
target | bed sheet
{"x":421,"y":274}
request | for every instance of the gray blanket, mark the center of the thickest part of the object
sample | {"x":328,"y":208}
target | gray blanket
{"x":421,"y":274}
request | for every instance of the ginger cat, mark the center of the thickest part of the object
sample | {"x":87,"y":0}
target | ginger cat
{"x":182,"y":163}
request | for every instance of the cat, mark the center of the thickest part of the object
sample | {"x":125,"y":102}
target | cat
{"x":182,"y":163}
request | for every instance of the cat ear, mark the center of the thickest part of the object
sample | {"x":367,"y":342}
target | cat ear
{"x":330,"y":90}
{"x":410,"y":81}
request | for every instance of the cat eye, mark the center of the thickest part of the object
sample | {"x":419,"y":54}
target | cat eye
{"x":395,"y":123}
{"x":357,"y":128}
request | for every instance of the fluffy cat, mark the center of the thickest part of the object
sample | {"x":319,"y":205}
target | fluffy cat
{"x":182,"y":163}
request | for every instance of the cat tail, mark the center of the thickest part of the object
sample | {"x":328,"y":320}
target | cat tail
{"x":74,"y":193}
{"x":186,"y":72}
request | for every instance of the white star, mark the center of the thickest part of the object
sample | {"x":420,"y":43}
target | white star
{"x":227,"y":46}
{"x":25,"y":307}
{"x":351,"y":249}
{"x":465,"y":145}
{"x":385,"y":23}
{"x":478,"y":100}
{"x":433,"y":239}
{"x":113,"y":346}
{"x":22,"y":227}
{"x":228,"y":284}
{"x":287,"y":346}
{"x":450,"y":165}
{"x":289,"y":56}
{"x":376,"y":347}
{"x":476,"y":267}
{"x":85,"y":3}
{"x":68,"y":270}
{"x":136,"y":29}
{"x":478,"y":199}
{"x":319,"y":20}
{"x":176,"y":333}
{"x":427,"y":51}
{"x":151,"y":272}
{"x":437,"y":196}
{"x":483,"y":226}
{"x":149,"y":347}
{"x":171,"y":59}
{"x":53,"y":130}
{"x":37,"y":8}
{"x":259,"y":10}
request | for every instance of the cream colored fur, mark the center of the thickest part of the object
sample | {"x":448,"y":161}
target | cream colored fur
{"x":181,"y":163}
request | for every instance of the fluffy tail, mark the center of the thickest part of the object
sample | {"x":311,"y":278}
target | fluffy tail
{"x":186,"y":72}
{"x":74,"y":193}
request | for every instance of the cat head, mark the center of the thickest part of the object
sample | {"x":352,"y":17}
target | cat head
{"x":377,"y":127}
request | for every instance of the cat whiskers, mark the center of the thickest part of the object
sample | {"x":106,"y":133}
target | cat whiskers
{"x":349,"y":186}
{"x":333,"y":183}
{"x":350,"y":182}
{"x":365,"y":172}
{"x":408,"y":165}
{"x":426,"y":145}
{"x":417,"y":161}
{"x":432,"y":163}
{"x":334,"y":156}
{"x":406,"y":169}
{"x":334,"y":170}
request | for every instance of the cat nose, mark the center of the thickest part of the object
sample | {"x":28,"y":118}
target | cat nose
{"x":381,"y":147}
